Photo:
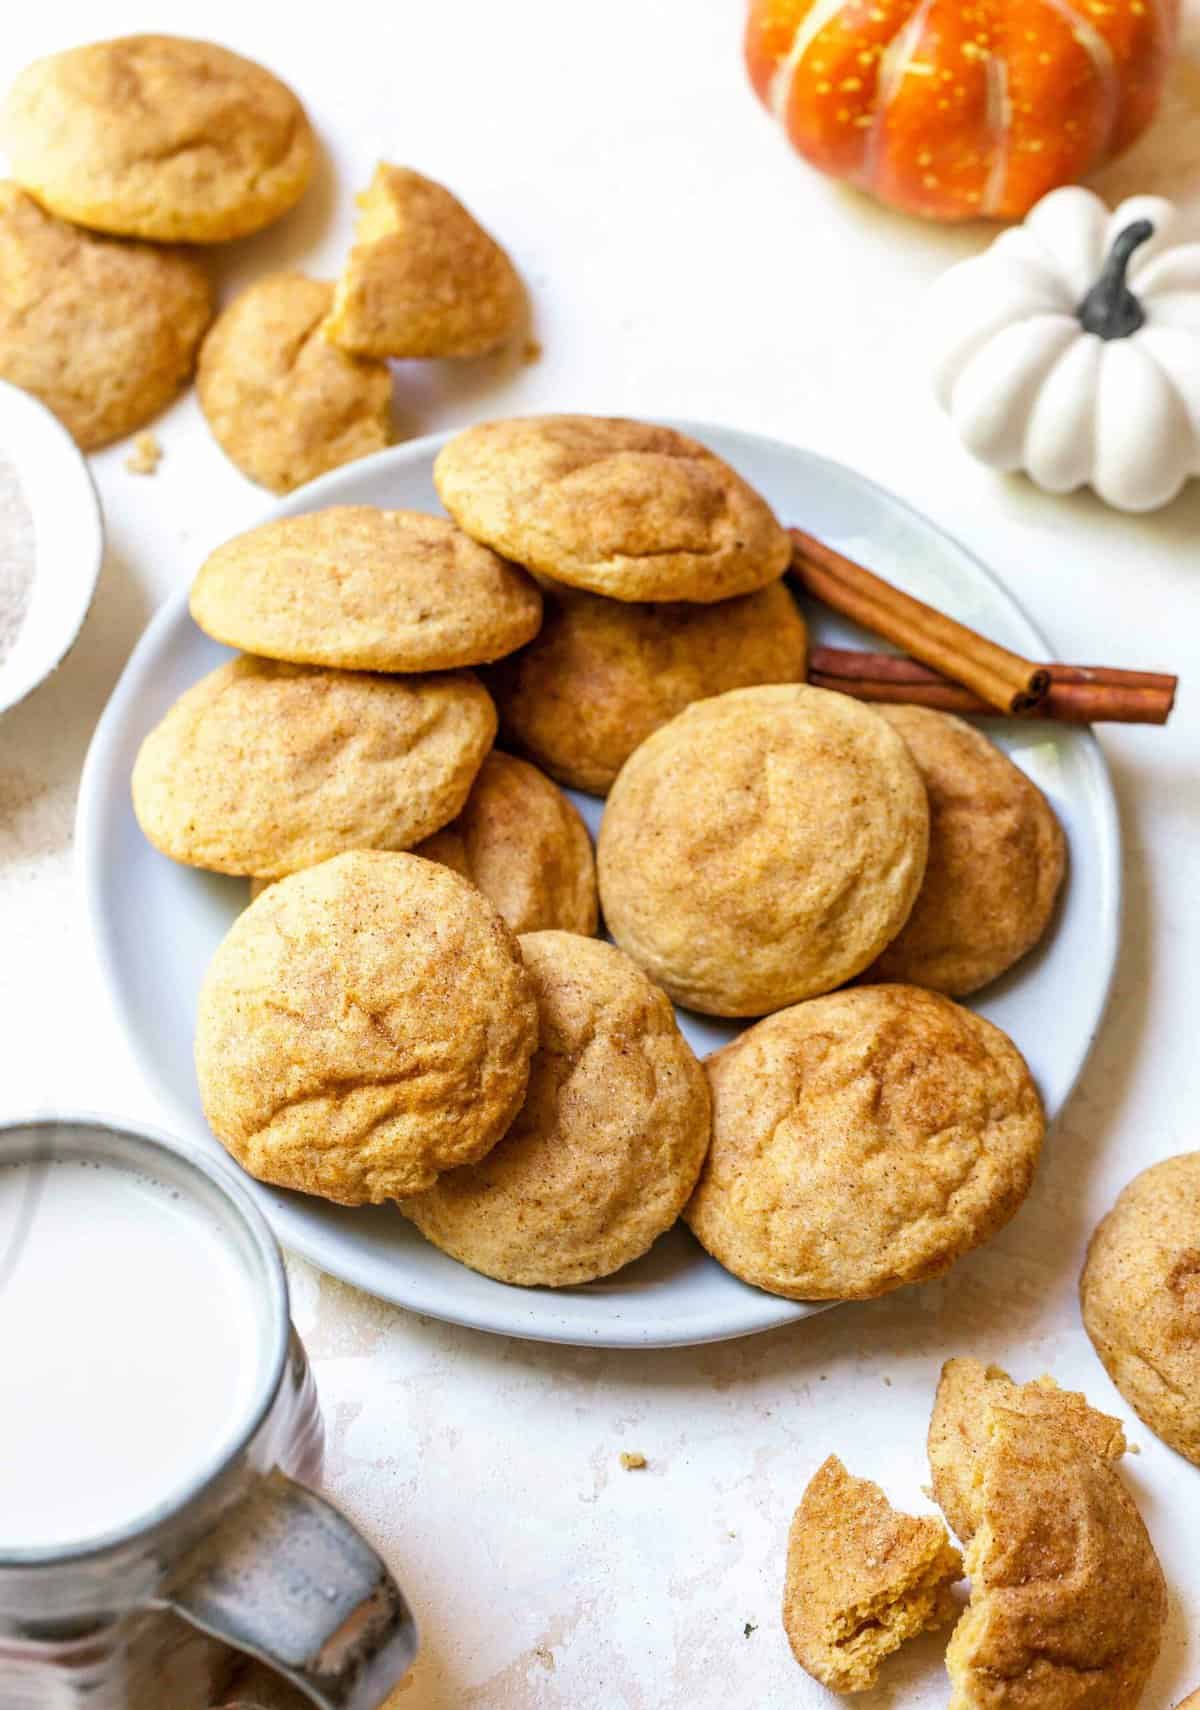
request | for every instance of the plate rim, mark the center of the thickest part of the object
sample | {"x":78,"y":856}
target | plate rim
{"x":769,"y":1311}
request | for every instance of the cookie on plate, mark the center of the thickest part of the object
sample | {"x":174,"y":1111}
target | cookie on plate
{"x":762,"y":847}
{"x":862,"y":1578}
{"x":1140,"y":1294}
{"x":283,"y":403}
{"x":1067,"y":1602}
{"x":996,"y":860}
{"x":364,"y":1026}
{"x":423,"y":278}
{"x":958,"y":1430}
{"x":862,"y":1141}
{"x":622,"y":508}
{"x":264,"y":768}
{"x":158,"y":137}
{"x":602,"y":675}
{"x":365,"y":590}
{"x":608,"y":1144}
{"x":104,"y":333}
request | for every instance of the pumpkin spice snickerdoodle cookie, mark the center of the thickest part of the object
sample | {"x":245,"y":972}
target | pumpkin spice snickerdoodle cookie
{"x":602,"y":675}
{"x":799,"y":821}
{"x":364,"y":1026}
{"x":619,"y":507}
{"x":608,"y":1144}
{"x":263,"y":768}
{"x":423,"y":278}
{"x":104,"y":333}
{"x":1067,"y":1602}
{"x":958,"y":1430}
{"x":863,"y":1141}
{"x":1140,"y":1294}
{"x":365,"y":590}
{"x":158,"y":137}
{"x":996,"y":860}
{"x":283,"y":403}
{"x":861,"y":1579}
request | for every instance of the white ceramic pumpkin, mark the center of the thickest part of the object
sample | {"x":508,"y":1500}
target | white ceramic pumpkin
{"x":1071,"y":349}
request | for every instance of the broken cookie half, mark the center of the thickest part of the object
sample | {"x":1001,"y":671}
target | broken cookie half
{"x":1067,"y":1597}
{"x":861,"y":1579}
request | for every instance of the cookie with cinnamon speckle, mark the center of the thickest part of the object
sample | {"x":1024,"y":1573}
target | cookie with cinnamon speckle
{"x":104,"y":333}
{"x":365,"y":590}
{"x":602,"y":675}
{"x":762,"y":847}
{"x":996,"y":860}
{"x":863,"y":1141}
{"x":264,"y":768}
{"x":423,"y":278}
{"x":609,"y":1141}
{"x":619,"y":507}
{"x":862,"y":1579}
{"x":364,"y":1026}
{"x":158,"y":137}
{"x":283,"y":403}
{"x":1140,"y":1294}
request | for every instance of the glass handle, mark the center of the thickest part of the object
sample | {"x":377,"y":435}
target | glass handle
{"x":284,"y":1577}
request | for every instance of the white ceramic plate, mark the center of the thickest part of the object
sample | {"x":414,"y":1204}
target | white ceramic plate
{"x":68,"y":540}
{"x":156,"y":924}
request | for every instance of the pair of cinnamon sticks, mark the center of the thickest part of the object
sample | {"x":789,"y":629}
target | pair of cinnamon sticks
{"x":952,"y":668}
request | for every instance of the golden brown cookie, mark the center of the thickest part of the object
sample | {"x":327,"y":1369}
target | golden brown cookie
{"x":283,"y":403}
{"x":104,"y":333}
{"x":423,"y":279}
{"x":263,"y":768}
{"x":863,"y":1141}
{"x":158,"y":137}
{"x":603,"y":674}
{"x":526,"y":847}
{"x":762,"y":847}
{"x":620,"y":507}
{"x":996,"y":860}
{"x":608,"y":1144}
{"x":1140,"y":1293}
{"x":365,"y":590}
{"x":958,"y":1430}
{"x":861,"y":1579}
{"x":1067,"y":1597}
{"x":364,"y":1026}
{"x":1191,"y":1702}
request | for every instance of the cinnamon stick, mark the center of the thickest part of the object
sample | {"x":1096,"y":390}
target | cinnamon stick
{"x":1004,"y":680}
{"x":1078,"y":694}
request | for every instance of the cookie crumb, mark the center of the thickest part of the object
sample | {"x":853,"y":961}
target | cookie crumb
{"x":545,"y":1656}
{"x":632,"y":1461}
{"x":532,"y":351}
{"x":146,"y":455}
{"x":750,"y":1627}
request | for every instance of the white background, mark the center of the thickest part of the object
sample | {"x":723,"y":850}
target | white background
{"x":681,"y":263}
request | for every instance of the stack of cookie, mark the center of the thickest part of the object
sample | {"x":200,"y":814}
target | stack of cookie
{"x":413,"y":1010}
{"x":123,"y":150}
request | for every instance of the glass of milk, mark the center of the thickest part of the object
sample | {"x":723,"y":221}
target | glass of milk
{"x":159,"y":1432}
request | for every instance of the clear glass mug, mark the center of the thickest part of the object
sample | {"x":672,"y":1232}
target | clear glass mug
{"x":245,"y":1561}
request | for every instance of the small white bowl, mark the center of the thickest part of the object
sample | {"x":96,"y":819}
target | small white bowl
{"x":68,"y":535}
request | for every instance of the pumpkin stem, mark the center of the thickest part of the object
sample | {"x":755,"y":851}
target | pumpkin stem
{"x":1110,"y":309}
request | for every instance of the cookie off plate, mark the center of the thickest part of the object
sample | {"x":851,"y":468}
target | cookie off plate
{"x":155,"y":924}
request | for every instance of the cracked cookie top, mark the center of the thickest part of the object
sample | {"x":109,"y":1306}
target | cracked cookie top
{"x":610,"y":1139}
{"x":622,"y":508}
{"x":862,"y":1141}
{"x":364,"y":1026}
{"x":158,"y":137}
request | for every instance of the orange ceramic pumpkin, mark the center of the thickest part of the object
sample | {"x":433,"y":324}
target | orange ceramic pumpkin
{"x":960,"y":108}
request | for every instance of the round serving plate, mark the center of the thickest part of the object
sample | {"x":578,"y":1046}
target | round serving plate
{"x":155,"y":924}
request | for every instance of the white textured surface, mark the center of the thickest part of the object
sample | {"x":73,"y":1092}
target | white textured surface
{"x":681,"y":263}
